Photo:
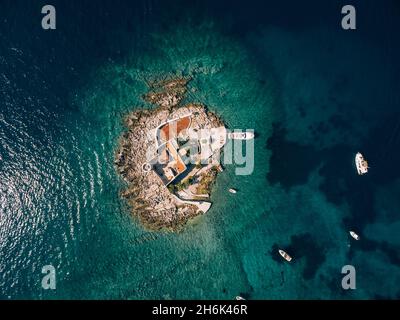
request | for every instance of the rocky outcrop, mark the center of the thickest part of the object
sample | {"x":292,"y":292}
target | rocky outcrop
{"x":167,"y":93}
{"x":153,"y":203}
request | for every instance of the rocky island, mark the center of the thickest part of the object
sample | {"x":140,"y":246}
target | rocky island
{"x":169,"y":157}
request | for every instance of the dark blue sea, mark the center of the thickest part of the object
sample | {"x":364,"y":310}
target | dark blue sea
{"x":314,"y":93}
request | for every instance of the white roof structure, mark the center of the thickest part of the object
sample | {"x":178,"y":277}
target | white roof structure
{"x":210,"y":140}
{"x":218,"y":138}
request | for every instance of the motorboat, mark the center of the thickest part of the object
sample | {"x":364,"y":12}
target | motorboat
{"x":285,"y":255}
{"x":361,"y":164}
{"x":247,"y":135}
{"x":354,"y":235}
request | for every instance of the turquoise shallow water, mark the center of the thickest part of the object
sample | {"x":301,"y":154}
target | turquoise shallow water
{"x":61,"y":115}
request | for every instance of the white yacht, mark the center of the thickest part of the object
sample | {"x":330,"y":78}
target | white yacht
{"x":239,"y":298}
{"x":241,"y":135}
{"x":285,"y":255}
{"x":354,"y":235}
{"x":361,"y":164}
{"x":232,"y":190}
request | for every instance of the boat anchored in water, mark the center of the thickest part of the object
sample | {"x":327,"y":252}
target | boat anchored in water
{"x":354,"y":235}
{"x":361,"y":164}
{"x":231,"y":190}
{"x":241,"y":135}
{"x":239,"y":298}
{"x":285,"y":255}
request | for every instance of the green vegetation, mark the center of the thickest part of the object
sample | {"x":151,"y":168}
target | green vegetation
{"x":207,"y":181}
{"x":172,"y":188}
{"x":183,"y":184}
{"x":198,"y":165}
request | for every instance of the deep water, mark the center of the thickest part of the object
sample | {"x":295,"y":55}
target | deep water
{"x":314,"y":93}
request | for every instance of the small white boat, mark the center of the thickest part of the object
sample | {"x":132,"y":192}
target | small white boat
{"x":354,"y":235}
{"x":239,"y":298}
{"x":361,"y":164}
{"x":285,"y":255}
{"x":232,"y":190}
{"x":241,"y":135}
